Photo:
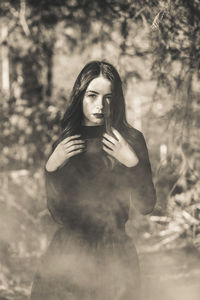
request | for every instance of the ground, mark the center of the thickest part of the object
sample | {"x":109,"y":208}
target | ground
{"x":171,"y":275}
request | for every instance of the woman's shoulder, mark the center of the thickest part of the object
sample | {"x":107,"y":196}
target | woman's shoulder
{"x":134,"y":133}
{"x":136,"y":139}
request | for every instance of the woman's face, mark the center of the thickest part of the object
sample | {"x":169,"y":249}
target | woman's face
{"x":97,"y":91}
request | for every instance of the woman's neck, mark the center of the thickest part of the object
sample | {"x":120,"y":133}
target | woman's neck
{"x":92,"y":131}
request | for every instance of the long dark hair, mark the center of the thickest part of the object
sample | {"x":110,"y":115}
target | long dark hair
{"x":73,"y":116}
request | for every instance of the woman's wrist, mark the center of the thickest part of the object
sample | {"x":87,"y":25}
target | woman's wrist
{"x":50,"y":167}
{"x":54,"y":164}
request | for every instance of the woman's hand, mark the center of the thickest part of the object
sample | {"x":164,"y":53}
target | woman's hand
{"x":69,"y":147}
{"x":119,"y":149}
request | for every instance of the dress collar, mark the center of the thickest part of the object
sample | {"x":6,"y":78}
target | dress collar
{"x":92,"y":131}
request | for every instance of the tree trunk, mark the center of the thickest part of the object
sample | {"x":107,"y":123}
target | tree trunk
{"x":49,"y":64}
{"x":5,"y":78}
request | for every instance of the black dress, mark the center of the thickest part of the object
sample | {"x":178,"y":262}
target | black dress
{"x":91,"y":256}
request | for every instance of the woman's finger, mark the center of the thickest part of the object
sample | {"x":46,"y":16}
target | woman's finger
{"x":117,"y":134}
{"x":73,"y":153}
{"x":69,"y":138}
{"x":107,"y":150}
{"x":73,"y":142}
{"x":74,"y":148}
{"x":108,"y":143}
{"x":110,"y":138}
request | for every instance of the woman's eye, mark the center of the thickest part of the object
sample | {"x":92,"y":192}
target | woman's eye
{"x":92,"y":96}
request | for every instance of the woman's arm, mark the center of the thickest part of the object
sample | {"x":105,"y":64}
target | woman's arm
{"x":143,"y":194}
{"x":131,"y":151}
{"x":59,"y":177}
{"x":55,"y":194}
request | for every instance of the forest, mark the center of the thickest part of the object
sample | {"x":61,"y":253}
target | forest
{"x":155,"y":46}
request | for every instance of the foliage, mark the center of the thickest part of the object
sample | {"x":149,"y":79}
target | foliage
{"x":26,"y":133}
{"x":176,"y":64}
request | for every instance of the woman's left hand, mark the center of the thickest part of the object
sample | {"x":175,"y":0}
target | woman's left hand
{"x":119,"y":149}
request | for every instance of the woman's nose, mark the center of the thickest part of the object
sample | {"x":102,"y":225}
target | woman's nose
{"x":99,"y":102}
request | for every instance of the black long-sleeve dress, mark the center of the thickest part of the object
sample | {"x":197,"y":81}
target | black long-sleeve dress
{"x":91,"y":256}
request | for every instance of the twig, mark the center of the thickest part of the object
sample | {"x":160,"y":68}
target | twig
{"x":167,"y":241}
{"x":22,"y":17}
{"x":190,"y":218}
{"x":162,"y":219}
{"x":158,"y":18}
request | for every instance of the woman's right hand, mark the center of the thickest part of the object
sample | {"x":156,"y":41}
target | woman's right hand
{"x":69,"y":147}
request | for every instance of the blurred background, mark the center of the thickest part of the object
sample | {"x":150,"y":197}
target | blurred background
{"x":155,"y":45}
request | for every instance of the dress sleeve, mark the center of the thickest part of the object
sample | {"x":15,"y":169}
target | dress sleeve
{"x":58,"y":188}
{"x":143,"y":194}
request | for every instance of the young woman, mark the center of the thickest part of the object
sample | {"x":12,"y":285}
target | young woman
{"x":93,"y":173}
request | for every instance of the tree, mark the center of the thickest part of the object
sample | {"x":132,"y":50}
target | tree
{"x":176,"y":63}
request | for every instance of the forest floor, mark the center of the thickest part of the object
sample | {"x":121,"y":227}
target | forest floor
{"x":171,"y":275}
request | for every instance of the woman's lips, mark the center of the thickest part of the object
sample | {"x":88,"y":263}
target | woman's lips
{"x":98,"y":116}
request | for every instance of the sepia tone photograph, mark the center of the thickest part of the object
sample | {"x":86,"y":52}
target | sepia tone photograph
{"x":100,"y":150}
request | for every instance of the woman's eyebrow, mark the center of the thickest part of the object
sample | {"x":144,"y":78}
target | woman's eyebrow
{"x":91,"y":91}
{"x":95,"y":92}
